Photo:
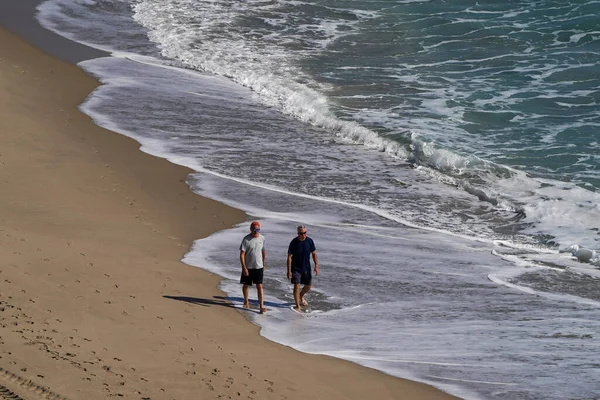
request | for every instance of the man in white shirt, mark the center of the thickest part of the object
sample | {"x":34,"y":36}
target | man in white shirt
{"x":253,"y":257}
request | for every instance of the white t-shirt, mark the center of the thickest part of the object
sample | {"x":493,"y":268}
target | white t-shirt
{"x":253,"y":247}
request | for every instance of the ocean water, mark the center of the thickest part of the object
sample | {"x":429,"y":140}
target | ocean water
{"x":445,"y":157}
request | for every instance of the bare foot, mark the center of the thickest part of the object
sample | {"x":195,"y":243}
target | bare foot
{"x":304,"y":302}
{"x":246,"y":305}
{"x":263,"y":310}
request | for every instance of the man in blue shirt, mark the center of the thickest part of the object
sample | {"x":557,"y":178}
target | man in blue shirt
{"x":298,"y":265}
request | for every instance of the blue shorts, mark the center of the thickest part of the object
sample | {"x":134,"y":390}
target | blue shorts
{"x":254,"y":276}
{"x":301,"y":277}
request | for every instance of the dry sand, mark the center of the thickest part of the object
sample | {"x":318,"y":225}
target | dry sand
{"x":91,"y":234}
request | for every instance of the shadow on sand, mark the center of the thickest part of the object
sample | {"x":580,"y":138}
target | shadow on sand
{"x":230,"y":302}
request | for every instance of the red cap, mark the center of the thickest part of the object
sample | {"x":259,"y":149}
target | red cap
{"x":255,"y":224}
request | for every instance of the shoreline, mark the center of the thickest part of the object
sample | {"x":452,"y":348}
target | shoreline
{"x":19,"y":18}
{"x":89,"y":266}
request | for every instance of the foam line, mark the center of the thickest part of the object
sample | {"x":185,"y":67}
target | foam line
{"x":341,"y":354}
{"x":473,"y":381}
{"x":373,"y":210}
{"x":496,"y":278}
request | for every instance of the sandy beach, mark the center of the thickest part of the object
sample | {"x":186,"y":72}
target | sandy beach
{"x":94,"y":301}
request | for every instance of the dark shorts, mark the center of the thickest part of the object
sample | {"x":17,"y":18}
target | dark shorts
{"x":254,"y":276}
{"x":301,"y":277}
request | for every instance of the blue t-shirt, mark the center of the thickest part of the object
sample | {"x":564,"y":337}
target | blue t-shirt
{"x":301,"y":251}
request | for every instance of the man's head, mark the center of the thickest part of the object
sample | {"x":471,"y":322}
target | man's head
{"x":255,"y":228}
{"x":302,"y":232}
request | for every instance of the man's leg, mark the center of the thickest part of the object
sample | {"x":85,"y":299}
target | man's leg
{"x":305,"y":290}
{"x":245,"y":293}
{"x":261,"y":301}
{"x":297,"y":294}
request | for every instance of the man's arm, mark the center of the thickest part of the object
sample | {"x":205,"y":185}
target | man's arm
{"x":264,"y":258}
{"x":289,"y":266}
{"x":316,"y":260}
{"x":243,"y":262}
